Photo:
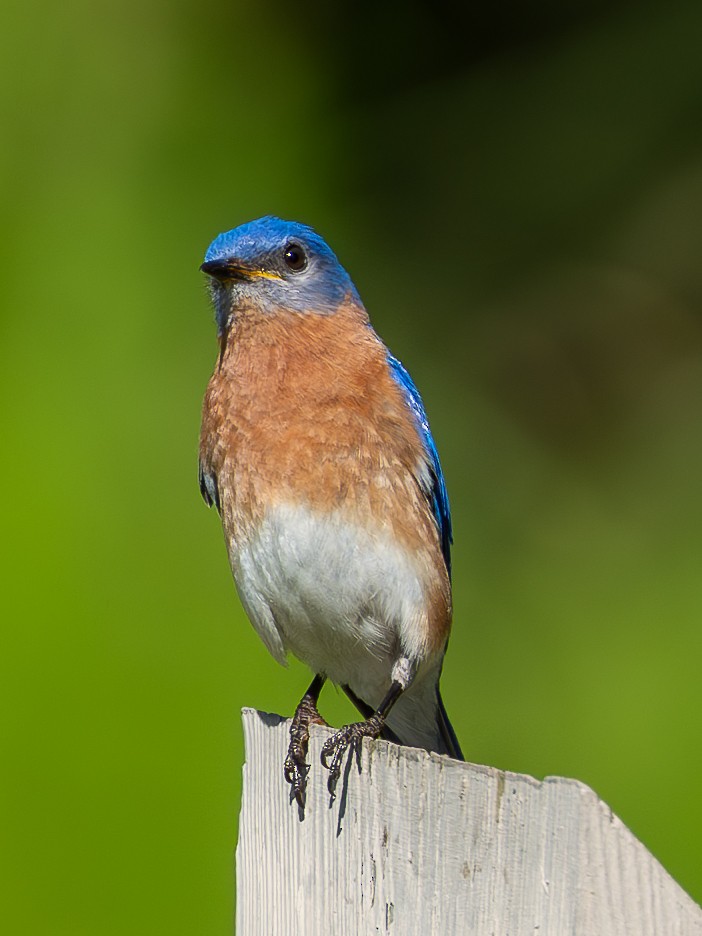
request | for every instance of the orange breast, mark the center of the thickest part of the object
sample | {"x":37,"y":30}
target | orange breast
{"x":303,"y":408}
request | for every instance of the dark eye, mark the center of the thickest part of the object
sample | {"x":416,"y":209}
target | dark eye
{"x":295,"y":258}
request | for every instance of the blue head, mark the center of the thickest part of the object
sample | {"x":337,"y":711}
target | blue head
{"x":270,"y":265}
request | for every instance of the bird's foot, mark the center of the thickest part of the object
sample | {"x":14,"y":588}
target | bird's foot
{"x":350,"y":736}
{"x":296,"y":767}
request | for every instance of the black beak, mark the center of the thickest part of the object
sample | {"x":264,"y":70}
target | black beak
{"x":223,"y":270}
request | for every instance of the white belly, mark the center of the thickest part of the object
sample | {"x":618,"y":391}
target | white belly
{"x":344,"y":601}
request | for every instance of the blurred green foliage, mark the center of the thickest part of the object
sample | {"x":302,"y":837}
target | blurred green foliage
{"x":518,"y":196}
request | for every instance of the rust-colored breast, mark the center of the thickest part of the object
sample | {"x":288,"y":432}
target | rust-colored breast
{"x":303,"y":408}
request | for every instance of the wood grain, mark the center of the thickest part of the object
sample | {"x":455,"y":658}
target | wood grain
{"x":416,"y":843}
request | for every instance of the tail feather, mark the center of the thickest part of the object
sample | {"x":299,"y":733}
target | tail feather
{"x":448,"y":735}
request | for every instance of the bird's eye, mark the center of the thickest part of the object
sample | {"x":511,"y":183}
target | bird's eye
{"x":295,"y":258}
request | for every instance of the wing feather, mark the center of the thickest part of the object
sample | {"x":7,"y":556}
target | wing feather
{"x":434,"y":485}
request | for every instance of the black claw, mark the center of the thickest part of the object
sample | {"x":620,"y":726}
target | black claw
{"x":349,"y":737}
{"x":295,"y":769}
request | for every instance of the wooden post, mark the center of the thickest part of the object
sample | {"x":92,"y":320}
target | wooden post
{"x":418,"y":844}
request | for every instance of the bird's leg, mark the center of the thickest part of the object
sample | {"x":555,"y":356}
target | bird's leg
{"x":306,"y":714}
{"x":351,"y":735}
{"x":333,"y":751}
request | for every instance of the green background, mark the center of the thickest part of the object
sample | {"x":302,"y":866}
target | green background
{"x":517,"y":193}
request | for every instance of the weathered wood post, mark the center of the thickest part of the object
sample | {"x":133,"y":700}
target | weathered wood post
{"x":421,"y":844}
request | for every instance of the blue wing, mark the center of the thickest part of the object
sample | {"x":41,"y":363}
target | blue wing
{"x":436,"y":491}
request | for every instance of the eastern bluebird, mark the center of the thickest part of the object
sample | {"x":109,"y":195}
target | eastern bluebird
{"x":316,"y":450}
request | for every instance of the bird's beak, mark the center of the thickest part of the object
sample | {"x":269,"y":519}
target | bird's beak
{"x":224,"y":270}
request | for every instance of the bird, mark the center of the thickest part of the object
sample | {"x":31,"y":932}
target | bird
{"x":316,"y":450}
